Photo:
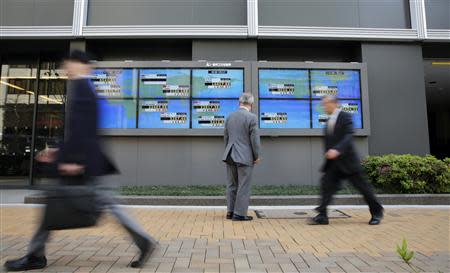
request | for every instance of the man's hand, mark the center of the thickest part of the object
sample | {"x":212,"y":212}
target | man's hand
{"x":47,"y":155}
{"x":332,"y":154}
{"x":70,"y":169}
{"x":257,"y":161}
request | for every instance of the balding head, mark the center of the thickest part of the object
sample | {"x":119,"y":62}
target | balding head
{"x":330,"y":103}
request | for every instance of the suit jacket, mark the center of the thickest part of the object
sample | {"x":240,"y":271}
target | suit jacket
{"x":241,"y":137}
{"x":81,"y":144}
{"x":341,"y":139}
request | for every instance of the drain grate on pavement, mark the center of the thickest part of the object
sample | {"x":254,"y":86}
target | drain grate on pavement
{"x":296,"y":214}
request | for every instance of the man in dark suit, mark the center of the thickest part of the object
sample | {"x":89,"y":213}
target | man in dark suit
{"x":78,"y":161}
{"x":342,"y":162}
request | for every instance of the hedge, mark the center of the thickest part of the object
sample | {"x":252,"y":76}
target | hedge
{"x":408,"y":173}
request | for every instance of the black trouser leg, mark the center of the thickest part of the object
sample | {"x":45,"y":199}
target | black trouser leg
{"x":330,"y":184}
{"x":359,"y":181}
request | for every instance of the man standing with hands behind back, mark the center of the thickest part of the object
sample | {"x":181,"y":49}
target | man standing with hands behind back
{"x":342,"y":162}
{"x":242,"y":149}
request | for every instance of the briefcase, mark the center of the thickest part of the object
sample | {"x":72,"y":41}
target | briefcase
{"x":70,"y":208}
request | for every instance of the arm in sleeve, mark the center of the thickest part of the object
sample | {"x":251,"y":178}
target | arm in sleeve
{"x":348,"y":134}
{"x":225,"y":133}
{"x":254,"y":137}
{"x":81,"y":130}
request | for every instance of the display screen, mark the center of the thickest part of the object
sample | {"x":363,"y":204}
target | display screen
{"x":217,"y":83}
{"x":283,"y":83}
{"x":164,"y":114}
{"x":117,"y":114}
{"x":351,"y":106}
{"x":212,"y":113}
{"x":115,"y":83}
{"x":284,"y":114}
{"x":343,"y":84}
{"x":165,"y":83}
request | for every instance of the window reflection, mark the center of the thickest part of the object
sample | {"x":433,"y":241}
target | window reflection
{"x":50,"y":111}
{"x":17,"y":84}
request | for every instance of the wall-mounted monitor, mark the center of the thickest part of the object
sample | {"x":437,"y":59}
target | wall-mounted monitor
{"x":212,"y":113}
{"x":343,"y":84}
{"x":117,"y":113}
{"x":284,"y":114}
{"x":164,"y":114}
{"x":284,"y":83}
{"x":164,"y":83}
{"x":319,"y":117}
{"x":217,"y":83}
{"x":115,"y":82}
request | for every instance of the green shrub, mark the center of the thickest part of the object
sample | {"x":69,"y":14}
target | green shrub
{"x":408,"y":173}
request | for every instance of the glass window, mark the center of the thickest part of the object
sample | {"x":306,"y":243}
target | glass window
{"x":17,"y":96}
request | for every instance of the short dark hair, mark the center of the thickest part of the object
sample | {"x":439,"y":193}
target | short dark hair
{"x":79,"y":56}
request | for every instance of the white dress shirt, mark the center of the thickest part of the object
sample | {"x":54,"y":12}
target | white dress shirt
{"x":332,"y":120}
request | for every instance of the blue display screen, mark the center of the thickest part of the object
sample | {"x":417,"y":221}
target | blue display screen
{"x":115,"y":83}
{"x":284,"y":114}
{"x":217,"y":83}
{"x":343,"y":84}
{"x":164,"y":114}
{"x":212,"y":113}
{"x":351,"y":106}
{"x":283,"y":83}
{"x":117,"y":114}
{"x":165,"y":83}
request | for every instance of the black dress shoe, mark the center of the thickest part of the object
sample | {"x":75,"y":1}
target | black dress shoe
{"x":26,"y":263}
{"x":242,"y":218}
{"x":375,"y":220}
{"x":319,"y":220}
{"x":229,"y":215}
{"x":146,"y":252}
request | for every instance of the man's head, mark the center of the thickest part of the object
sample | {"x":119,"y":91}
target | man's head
{"x":246,"y":100}
{"x":330,"y":103}
{"x":77,"y":64}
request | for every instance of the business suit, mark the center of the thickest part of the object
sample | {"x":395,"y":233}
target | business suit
{"x":242,"y":148}
{"x":339,"y":136}
{"x":82,"y":146}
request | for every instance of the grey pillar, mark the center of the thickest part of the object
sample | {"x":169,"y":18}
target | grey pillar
{"x":398,"y":109}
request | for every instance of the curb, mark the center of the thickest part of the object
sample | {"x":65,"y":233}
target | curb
{"x":296,"y":200}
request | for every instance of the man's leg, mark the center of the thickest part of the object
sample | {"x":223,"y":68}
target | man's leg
{"x":330,"y":184}
{"x":37,"y":244}
{"x":232,"y":184}
{"x":244,"y":190}
{"x":35,"y":258}
{"x":146,"y":243}
{"x":359,"y":181}
{"x":139,"y":235}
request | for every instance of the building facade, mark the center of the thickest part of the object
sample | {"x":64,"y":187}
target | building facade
{"x":403,"y":47}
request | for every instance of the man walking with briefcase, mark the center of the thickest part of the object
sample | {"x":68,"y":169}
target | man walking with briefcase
{"x":76,"y":203}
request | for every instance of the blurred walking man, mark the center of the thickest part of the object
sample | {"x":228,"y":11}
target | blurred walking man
{"x":77,"y":162}
{"x":242,"y":149}
{"x":342,"y":162}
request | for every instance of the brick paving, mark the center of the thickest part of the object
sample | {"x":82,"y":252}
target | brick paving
{"x":201,"y":240}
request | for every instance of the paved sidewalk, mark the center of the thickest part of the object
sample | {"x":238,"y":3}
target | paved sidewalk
{"x":201,"y":240}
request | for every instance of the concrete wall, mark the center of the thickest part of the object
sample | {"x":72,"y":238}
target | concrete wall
{"x":398,"y":109}
{"x":167,"y":12}
{"x":36,"y":12}
{"x":438,"y":14}
{"x":197,"y":160}
{"x":187,"y":160}
{"x":343,"y":13}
